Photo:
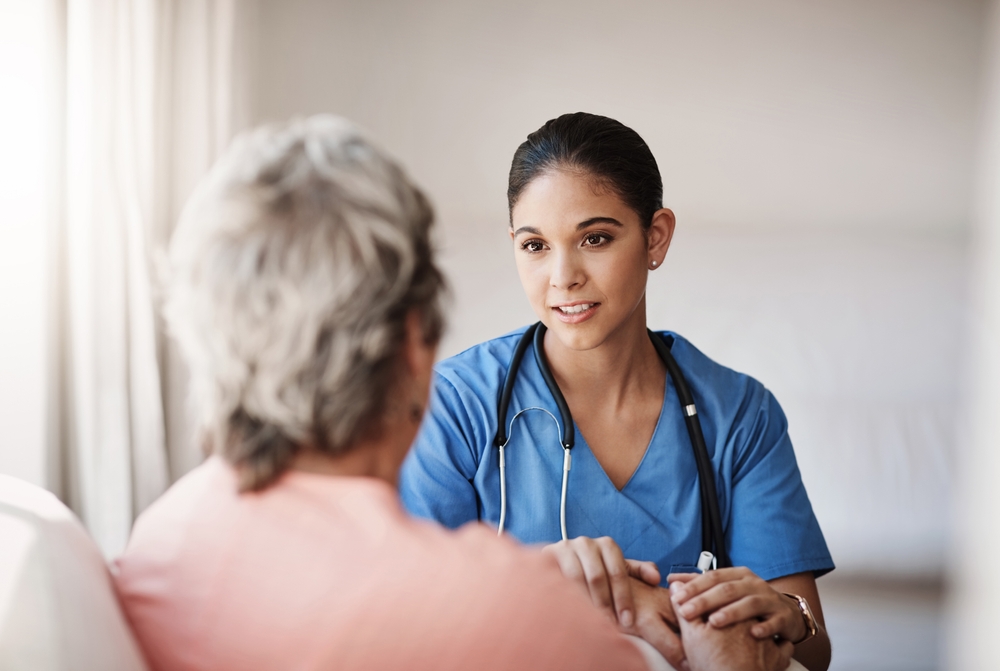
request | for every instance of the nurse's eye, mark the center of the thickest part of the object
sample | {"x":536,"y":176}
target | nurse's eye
{"x":596,"y":239}
{"x":532,"y":246}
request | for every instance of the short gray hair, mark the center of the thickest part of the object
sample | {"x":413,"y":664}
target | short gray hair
{"x":290,"y":276}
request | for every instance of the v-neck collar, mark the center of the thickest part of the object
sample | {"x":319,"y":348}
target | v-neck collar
{"x":580,"y":440}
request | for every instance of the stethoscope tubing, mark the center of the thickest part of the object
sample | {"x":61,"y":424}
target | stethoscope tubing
{"x":567,"y":464}
{"x":713,"y":536}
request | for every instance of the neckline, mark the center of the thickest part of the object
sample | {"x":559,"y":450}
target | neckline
{"x":645,"y":455}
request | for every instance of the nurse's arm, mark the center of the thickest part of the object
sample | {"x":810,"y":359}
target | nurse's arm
{"x":814,"y":653}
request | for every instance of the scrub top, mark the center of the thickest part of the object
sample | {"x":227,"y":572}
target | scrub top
{"x":452,"y":474}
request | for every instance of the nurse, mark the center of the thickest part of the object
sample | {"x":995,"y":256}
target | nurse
{"x":588,"y":225}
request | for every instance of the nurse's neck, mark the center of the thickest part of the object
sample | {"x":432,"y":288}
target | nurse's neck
{"x":626,"y":363}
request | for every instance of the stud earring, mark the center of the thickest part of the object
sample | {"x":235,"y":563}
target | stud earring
{"x":654,"y":264}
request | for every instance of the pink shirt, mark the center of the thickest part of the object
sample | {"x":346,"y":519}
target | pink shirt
{"x":321,"y":572}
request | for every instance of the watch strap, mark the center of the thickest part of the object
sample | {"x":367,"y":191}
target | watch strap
{"x":807,"y":617}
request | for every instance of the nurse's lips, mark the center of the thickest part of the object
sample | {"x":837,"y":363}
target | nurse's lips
{"x":575,"y":312}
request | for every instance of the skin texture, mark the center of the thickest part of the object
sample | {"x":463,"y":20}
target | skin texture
{"x":576,"y":242}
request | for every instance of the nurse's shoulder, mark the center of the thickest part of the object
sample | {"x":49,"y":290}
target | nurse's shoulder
{"x":727,"y":399}
{"x":701,"y":370}
{"x":436,"y":481}
{"x":481,"y":369}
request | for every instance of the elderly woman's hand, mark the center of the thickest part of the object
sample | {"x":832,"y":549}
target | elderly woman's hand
{"x":656,"y":622}
{"x":598,"y":565}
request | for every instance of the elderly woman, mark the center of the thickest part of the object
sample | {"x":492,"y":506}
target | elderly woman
{"x":304,"y":294}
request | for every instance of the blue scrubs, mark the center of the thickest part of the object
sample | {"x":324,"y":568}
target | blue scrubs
{"x":452,"y":473}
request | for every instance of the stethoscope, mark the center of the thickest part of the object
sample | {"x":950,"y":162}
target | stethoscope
{"x":712,"y":536}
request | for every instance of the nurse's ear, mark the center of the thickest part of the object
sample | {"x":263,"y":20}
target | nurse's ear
{"x":658,"y":236}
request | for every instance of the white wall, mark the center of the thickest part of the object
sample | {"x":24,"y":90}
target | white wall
{"x":818,"y":156}
{"x":772,"y":114}
{"x":859,"y":336}
{"x":972,"y":570}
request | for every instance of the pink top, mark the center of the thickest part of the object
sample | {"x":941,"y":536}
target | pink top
{"x":322,"y":572}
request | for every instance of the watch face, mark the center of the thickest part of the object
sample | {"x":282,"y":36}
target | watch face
{"x":810,"y":620}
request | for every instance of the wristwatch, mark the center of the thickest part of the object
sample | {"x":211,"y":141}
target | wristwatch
{"x":807,"y":618}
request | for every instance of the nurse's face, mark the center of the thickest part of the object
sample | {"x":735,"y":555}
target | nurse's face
{"x":583,"y":256}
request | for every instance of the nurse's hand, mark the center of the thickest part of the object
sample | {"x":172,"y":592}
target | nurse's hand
{"x":731,"y":648}
{"x":598,"y":565}
{"x":732,"y":595}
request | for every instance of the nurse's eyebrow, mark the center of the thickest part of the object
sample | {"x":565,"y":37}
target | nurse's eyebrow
{"x":582,"y":225}
{"x":599,"y":220}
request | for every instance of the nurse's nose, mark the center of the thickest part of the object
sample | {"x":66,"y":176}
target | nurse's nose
{"x":566,"y":272}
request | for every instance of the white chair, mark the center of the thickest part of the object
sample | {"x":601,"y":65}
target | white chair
{"x":58,"y":609}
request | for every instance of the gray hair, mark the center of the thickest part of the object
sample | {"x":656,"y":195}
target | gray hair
{"x":291,"y":273}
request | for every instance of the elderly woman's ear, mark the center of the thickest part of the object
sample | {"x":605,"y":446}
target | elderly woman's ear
{"x":418,"y":355}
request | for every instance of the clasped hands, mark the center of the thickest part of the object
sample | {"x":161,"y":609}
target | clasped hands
{"x":728,"y":619}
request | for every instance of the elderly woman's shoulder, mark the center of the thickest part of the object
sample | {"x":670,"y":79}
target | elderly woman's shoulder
{"x":474,"y":549}
{"x":212,"y":483}
{"x":546,"y":619}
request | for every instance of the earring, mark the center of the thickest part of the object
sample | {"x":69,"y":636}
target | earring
{"x":653,"y":264}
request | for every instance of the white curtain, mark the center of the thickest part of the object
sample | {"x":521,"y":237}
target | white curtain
{"x":149,"y":92}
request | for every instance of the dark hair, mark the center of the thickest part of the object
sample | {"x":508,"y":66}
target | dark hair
{"x":606,"y":149}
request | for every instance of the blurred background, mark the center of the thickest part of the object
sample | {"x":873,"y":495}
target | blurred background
{"x":833,"y":166}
